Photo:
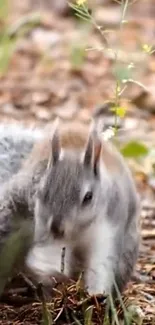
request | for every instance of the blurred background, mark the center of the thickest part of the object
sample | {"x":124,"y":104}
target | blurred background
{"x":53,"y":63}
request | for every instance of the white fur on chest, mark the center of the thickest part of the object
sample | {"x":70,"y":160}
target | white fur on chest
{"x":98,"y":242}
{"x":47,"y":258}
{"x":101,"y":262}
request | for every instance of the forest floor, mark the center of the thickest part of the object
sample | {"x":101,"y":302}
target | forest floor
{"x":46,"y":72}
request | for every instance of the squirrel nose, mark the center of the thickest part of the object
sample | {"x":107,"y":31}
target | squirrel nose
{"x":56,"y":229}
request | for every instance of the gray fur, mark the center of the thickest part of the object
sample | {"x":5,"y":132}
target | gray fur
{"x":16,"y":194}
{"x":16,"y":142}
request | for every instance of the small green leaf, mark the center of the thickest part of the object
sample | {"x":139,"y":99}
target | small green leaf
{"x":81,"y":10}
{"x":122,"y":72}
{"x":147,"y":48}
{"x":81,"y":2}
{"x":7,"y":47}
{"x":13,"y":249}
{"x":134,"y":149}
{"x":119,"y":111}
{"x":135,"y":314}
{"x":88,"y":316}
{"x":77,"y":56}
{"x":46,"y":315}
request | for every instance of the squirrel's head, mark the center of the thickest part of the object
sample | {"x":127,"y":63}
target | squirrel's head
{"x":68,"y":197}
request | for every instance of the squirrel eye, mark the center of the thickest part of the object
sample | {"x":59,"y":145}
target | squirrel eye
{"x":87,"y":198}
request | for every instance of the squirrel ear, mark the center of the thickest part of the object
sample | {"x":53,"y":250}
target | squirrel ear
{"x":88,"y":155}
{"x":97,"y":154}
{"x":93,"y":150}
{"x":55,"y":146}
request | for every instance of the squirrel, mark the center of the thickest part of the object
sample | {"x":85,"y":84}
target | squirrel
{"x":77,"y":192}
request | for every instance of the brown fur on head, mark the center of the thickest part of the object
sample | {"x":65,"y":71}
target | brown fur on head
{"x":73,"y":136}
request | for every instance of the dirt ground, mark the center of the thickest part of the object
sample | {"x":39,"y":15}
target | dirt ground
{"x":49,"y":73}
